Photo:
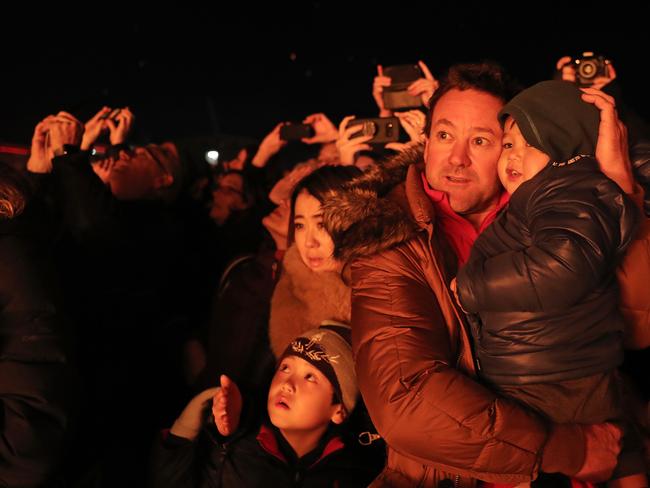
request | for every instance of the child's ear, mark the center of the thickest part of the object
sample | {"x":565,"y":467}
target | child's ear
{"x":339,"y":414}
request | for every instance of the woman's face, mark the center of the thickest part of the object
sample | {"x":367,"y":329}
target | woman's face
{"x":314,"y":244}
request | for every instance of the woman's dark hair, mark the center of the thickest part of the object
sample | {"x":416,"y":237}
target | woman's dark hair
{"x":321,"y":184}
{"x":14,"y":192}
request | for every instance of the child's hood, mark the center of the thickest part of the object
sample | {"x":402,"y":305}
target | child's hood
{"x":553,"y":118}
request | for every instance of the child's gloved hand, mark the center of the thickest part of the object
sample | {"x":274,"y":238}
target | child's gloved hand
{"x":188,"y":423}
{"x":226,"y":406}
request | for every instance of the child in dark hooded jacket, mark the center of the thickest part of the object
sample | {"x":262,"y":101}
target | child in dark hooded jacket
{"x":540,"y":280}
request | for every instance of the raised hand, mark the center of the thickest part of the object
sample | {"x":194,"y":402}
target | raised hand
{"x":413,"y":122}
{"x":324,"y":129}
{"x":424,"y":87}
{"x":189,"y":422}
{"x":93,"y":128}
{"x":227,"y":406}
{"x":378,"y":85}
{"x":568,"y":73}
{"x":120,"y":126}
{"x":349,"y":146}
{"x":269,"y":147}
{"x":40,"y":156}
{"x":64,"y":129}
{"x":612,"y":147}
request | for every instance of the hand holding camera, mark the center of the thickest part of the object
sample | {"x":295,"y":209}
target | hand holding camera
{"x":411,"y":86}
{"x":119,"y":123}
{"x":50,"y":138}
{"x":379,"y":83}
{"x":269,"y":147}
{"x":588,"y":70}
{"x":348,"y":144}
{"x":324,"y":129}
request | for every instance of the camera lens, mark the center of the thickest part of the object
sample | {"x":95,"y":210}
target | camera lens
{"x":587,"y":69}
{"x":369,"y":128}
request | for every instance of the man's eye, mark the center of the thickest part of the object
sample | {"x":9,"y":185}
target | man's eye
{"x":481,"y":141}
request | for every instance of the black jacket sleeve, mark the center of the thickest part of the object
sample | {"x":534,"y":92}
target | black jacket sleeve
{"x":574,"y":241}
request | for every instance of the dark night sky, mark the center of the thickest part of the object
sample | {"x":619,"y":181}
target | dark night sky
{"x":192,"y":69}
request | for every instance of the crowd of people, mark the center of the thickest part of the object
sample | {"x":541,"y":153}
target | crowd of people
{"x":463,"y":306}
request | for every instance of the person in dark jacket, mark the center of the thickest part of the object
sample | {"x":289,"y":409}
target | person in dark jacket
{"x":301,"y":444}
{"x":542,"y":277}
{"x":38,"y":385}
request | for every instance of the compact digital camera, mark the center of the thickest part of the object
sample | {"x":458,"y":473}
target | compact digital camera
{"x":382,"y":130}
{"x":401,"y":76}
{"x":589,"y":67}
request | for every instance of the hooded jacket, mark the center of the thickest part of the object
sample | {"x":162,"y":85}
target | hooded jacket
{"x":412,"y":349}
{"x":542,"y":275}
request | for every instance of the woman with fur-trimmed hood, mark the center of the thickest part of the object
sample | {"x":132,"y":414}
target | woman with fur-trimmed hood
{"x":310,"y":288}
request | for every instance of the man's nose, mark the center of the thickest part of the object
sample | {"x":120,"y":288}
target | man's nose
{"x":459,"y":155}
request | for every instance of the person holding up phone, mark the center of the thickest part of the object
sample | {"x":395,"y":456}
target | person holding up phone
{"x":118,"y":122}
{"x":423,"y":87}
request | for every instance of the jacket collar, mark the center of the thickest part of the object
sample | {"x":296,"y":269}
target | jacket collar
{"x":271,"y":438}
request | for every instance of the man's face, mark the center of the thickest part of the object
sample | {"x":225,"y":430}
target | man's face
{"x":300,"y":398}
{"x":463,"y":148}
{"x":519,"y":160}
{"x":137,"y":174}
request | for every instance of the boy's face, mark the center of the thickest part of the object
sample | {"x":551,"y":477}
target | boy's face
{"x":300,"y":398}
{"x":519,"y":161}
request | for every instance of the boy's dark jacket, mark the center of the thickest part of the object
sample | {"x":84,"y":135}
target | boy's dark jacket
{"x":254,"y":459}
{"x":542,"y":275}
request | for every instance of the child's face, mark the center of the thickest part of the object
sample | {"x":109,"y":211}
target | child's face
{"x":300,"y":398}
{"x":519,"y":161}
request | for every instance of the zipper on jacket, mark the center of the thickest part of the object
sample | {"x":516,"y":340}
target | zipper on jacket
{"x":457,"y":481}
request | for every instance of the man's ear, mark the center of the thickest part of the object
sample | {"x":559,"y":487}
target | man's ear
{"x":339,"y":414}
{"x":163,"y":181}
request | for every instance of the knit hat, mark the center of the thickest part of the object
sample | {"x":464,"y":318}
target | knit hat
{"x":328,"y":349}
{"x":553,"y":118}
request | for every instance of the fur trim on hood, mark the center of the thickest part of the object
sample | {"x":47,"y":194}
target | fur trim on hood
{"x":371,"y":213}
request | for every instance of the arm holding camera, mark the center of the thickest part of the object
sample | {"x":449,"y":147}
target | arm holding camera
{"x":269,"y":147}
{"x":378,"y":85}
{"x":324,"y":129}
{"x":349,"y":146}
{"x":566,"y":66}
{"x":93,"y":128}
{"x":120,"y":126}
{"x":424,"y":87}
{"x":413,"y":122}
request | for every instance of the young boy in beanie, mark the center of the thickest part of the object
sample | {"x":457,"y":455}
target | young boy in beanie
{"x":541,"y":278}
{"x":312,"y":392}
